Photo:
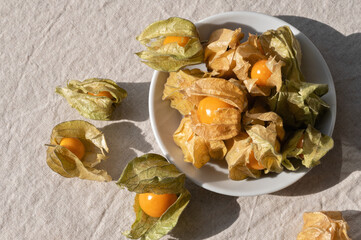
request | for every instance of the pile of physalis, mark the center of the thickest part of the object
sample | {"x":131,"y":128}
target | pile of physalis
{"x":75,"y":148}
{"x":160,"y":195}
{"x":252,"y":108}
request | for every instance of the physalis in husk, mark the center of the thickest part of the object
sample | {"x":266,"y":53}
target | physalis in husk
{"x":75,"y":148}
{"x":174,"y":88}
{"x":328,"y":225}
{"x":308,"y":145}
{"x":94,"y":98}
{"x":161,"y":196}
{"x":218,"y":105}
{"x":171,"y":44}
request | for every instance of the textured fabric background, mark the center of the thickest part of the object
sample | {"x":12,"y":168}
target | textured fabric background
{"x":44,"y":43}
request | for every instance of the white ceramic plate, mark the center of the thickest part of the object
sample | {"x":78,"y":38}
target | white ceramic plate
{"x":214,"y":175}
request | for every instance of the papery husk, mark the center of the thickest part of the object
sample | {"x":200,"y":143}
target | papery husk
{"x":275,"y":80}
{"x":89,"y":106}
{"x":152,"y":173}
{"x":217,"y":149}
{"x":223,"y":65}
{"x":220,"y":50}
{"x":246,"y":55}
{"x":196,"y":149}
{"x":263,"y":117}
{"x":253,"y":40}
{"x":328,"y":225}
{"x":266,"y":131}
{"x":241,"y":69}
{"x":170,"y":57}
{"x":190,"y":51}
{"x":290,"y":151}
{"x":239,"y":150}
{"x":259,"y":106}
{"x":67,"y":164}
{"x":219,"y":88}
{"x":255,"y":90}
{"x":173,"y":26}
{"x":315,"y":145}
{"x":266,"y":147}
{"x":176,"y":83}
{"x":220,"y":41}
{"x":226,"y":123}
{"x":169,"y":63}
{"x":282,"y":44}
{"x":299,"y":103}
{"x":240,"y":85}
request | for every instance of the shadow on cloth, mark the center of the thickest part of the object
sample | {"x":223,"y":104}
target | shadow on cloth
{"x":135,"y":106}
{"x":353,"y":219}
{"x":342,"y":54}
{"x":127,"y":137}
{"x":200,"y":222}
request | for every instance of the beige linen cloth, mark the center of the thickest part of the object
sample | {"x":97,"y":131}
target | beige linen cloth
{"x":43,"y":44}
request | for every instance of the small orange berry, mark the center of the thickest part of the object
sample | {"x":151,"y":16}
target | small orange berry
{"x":155,"y":205}
{"x":207,"y":109}
{"x":102,"y":94}
{"x":253,"y":163}
{"x":74,"y":145}
{"x":261,"y":72}
{"x":182,"y":41}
